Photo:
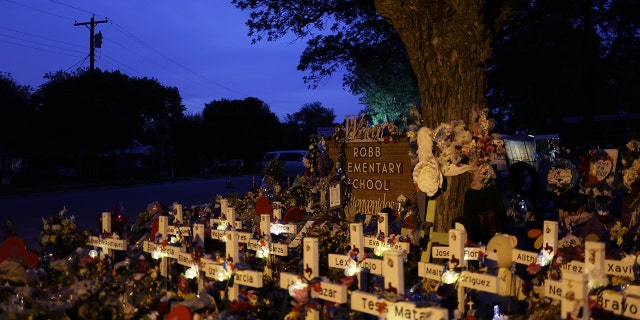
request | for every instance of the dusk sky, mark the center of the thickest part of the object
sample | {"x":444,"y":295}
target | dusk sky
{"x":199,"y":46}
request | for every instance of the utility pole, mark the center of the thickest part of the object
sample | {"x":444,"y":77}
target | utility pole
{"x":92,"y":39}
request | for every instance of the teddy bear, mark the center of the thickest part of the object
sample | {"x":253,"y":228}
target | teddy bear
{"x":498,"y":261}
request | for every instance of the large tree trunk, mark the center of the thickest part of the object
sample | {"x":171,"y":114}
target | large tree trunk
{"x":448,"y":46}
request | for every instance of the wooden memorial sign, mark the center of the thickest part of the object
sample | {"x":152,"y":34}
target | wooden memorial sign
{"x":379,"y":171}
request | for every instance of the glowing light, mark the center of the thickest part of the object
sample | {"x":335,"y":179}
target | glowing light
{"x":221,"y":275}
{"x":156,"y":253}
{"x":222,"y":225}
{"x":93,"y":253}
{"x":379,"y":251}
{"x":192,"y":272}
{"x":543,"y":260}
{"x":352,"y":268}
{"x":450,"y":277}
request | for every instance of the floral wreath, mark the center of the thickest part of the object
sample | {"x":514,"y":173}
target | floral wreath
{"x":560,"y":175}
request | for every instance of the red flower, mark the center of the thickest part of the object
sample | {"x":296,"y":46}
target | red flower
{"x":141,"y":266}
{"x":239,"y":306}
{"x":534,"y":268}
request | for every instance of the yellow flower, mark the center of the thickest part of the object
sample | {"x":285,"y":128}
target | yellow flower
{"x":52,"y":238}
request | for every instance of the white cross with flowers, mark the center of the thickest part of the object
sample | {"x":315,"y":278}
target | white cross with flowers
{"x":355,"y":259}
{"x":160,"y":248}
{"x":225,"y":268}
{"x":377,"y":305}
{"x":625,"y":303}
{"x":573,"y":290}
{"x":311,"y":266}
{"x":107,"y":241}
{"x":178,"y":231}
{"x":229,"y":221}
{"x":385,"y":241}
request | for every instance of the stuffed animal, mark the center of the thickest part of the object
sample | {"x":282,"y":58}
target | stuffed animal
{"x":498,"y":259}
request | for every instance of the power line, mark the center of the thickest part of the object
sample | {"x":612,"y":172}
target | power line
{"x":31,"y":47}
{"x":39,"y":10}
{"x":129,"y":49}
{"x":70,"y":6}
{"x":124,"y":31}
{"x":41,"y":37}
{"x":34,"y":42}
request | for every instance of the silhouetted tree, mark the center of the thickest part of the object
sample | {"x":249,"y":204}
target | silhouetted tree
{"x":89,"y":115}
{"x":305,"y":122}
{"x":567,"y":58}
{"x":344,"y":37}
{"x":240,"y":129}
{"x":16,"y":113}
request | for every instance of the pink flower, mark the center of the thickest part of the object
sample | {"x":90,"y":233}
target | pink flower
{"x":347,"y":281}
{"x":534,"y":268}
{"x":301,"y":295}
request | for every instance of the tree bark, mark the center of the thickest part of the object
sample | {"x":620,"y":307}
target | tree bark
{"x":448,"y":46}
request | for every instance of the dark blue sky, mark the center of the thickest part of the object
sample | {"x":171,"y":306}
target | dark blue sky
{"x":199,"y":46}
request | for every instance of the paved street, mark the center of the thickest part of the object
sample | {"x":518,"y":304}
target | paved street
{"x":26,"y":212}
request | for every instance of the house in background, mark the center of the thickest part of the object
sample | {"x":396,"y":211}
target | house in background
{"x":138,"y":155}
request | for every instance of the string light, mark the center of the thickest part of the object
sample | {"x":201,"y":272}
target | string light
{"x":192,"y":272}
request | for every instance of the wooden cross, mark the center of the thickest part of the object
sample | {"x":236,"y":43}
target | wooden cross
{"x":626,"y":303}
{"x":110,"y":242}
{"x":311,"y":267}
{"x":214,"y":268}
{"x":383,"y":240}
{"x":374,"y":304}
{"x":572,"y":290}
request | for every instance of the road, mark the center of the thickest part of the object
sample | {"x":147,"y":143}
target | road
{"x":26,"y":212}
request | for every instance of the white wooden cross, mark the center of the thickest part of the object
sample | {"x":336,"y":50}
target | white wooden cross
{"x":572,"y":290}
{"x":452,"y":252}
{"x":108,"y":244}
{"x":221,"y":269}
{"x":311,"y":267}
{"x":383,"y":231}
{"x":626,"y":303}
{"x":180,"y":229}
{"x":374,"y":304}
{"x":278,"y":249}
{"x":160,"y":251}
{"x":229,"y":222}
{"x":356,"y":245}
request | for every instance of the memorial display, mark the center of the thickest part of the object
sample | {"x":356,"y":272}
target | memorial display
{"x":343,"y":241}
